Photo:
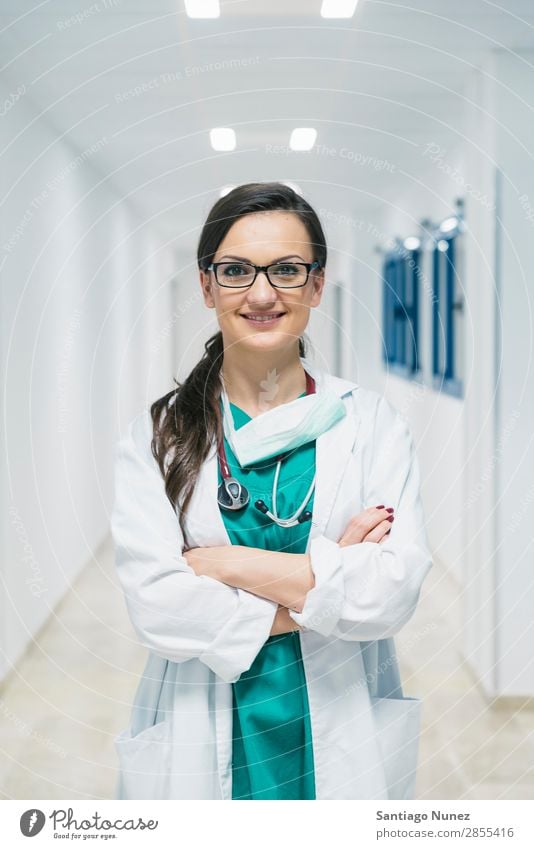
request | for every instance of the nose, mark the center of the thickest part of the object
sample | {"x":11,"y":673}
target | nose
{"x":261,"y":290}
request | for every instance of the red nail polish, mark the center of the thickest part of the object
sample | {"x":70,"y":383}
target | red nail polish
{"x":379,"y":506}
{"x":390,"y":518}
{"x":390,"y":510}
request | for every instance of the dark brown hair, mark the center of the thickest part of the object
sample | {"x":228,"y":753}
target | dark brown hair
{"x":187,"y":420}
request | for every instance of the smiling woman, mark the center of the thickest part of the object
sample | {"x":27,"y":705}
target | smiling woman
{"x":269,"y":288}
{"x":272,"y":672}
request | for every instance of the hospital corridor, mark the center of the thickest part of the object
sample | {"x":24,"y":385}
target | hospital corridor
{"x":409,"y":129}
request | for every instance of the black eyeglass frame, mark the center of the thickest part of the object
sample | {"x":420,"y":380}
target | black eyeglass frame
{"x":310,"y":266}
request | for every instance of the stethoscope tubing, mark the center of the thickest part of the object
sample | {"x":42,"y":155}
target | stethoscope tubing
{"x":233,"y":495}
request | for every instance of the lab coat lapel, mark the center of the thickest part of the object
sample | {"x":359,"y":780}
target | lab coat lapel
{"x":333,"y":447}
{"x":204,"y":524}
{"x":332,"y":453}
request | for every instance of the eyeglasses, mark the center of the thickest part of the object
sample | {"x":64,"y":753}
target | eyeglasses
{"x":281,"y":275}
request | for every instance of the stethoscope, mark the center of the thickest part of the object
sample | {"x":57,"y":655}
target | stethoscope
{"x":232,"y":495}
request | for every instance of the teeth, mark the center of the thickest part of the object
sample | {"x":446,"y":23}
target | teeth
{"x":263,"y":317}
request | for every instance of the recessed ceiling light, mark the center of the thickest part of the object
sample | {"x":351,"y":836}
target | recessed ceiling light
{"x":222,"y":138}
{"x":449,"y":224}
{"x":302,"y":138}
{"x":412,"y":243}
{"x":202,"y":8}
{"x":338,"y":8}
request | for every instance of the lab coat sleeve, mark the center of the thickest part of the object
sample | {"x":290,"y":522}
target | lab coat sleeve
{"x":176,"y":614}
{"x":369,"y":590}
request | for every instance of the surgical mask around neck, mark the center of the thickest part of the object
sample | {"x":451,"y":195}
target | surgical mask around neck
{"x":282,"y":428}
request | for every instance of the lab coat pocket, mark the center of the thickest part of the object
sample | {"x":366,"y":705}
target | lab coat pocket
{"x":144,"y":762}
{"x":397,"y":724}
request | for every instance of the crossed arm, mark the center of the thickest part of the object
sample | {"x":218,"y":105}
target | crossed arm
{"x":207,"y":603}
{"x":277,"y":575}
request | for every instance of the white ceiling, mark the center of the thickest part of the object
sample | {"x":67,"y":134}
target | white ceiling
{"x":381,"y":85}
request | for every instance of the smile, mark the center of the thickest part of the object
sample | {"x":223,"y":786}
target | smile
{"x":266,"y":320}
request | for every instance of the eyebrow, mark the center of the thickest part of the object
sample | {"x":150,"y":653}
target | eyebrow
{"x":245,"y":259}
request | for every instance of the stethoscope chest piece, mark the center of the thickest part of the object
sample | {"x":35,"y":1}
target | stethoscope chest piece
{"x":232,"y":495}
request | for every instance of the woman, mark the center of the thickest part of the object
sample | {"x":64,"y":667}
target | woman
{"x":268,"y":604}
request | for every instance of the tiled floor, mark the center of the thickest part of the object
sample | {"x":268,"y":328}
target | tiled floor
{"x":71,"y":693}
{"x":471,"y":747}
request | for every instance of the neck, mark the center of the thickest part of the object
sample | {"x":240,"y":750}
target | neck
{"x":259,"y":383}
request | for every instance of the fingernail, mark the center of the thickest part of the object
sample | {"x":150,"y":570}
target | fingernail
{"x":379,"y":506}
{"x":390,"y":518}
{"x":390,"y":510}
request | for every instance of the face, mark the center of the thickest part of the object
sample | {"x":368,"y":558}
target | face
{"x":263,"y":238}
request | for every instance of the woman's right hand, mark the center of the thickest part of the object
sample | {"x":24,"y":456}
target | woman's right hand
{"x":370,"y":525}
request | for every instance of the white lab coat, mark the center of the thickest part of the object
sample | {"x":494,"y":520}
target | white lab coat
{"x":202,"y":634}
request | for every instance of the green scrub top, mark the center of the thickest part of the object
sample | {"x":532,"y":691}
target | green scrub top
{"x":272,"y":753}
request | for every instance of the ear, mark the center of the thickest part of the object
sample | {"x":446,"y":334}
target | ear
{"x":318,"y":281}
{"x":206,"y":286}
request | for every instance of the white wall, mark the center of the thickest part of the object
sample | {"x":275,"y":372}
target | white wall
{"x":83,"y":287}
{"x":514,"y":448}
{"x":436,"y":419}
{"x":499,"y":406}
{"x":476,"y":453}
{"x":480,"y":431}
